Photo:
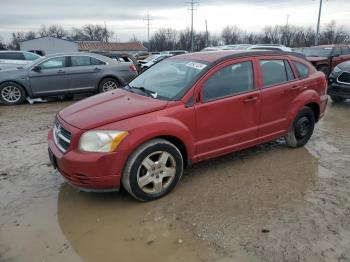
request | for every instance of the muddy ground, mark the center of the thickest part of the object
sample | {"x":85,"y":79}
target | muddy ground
{"x":268,"y":203}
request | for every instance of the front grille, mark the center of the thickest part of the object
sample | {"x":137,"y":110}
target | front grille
{"x":61,"y":136}
{"x":344,"y":78}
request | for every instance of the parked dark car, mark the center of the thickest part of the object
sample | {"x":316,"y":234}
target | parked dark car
{"x":183,"y":110}
{"x":326,"y":57}
{"x":339,"y":82}
{"x":122,"y":57}
{"x":64,"y":74}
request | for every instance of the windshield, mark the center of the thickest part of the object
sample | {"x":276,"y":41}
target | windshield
{"x":169,"y":77}
{"x":322,"y":52}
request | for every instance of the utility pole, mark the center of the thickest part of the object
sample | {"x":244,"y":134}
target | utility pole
{"x":206,"y":33}
{"x":148,"y":20}
{"x":318,"y":24}
{"x":106,"y":36}
{"x":192,"y":8}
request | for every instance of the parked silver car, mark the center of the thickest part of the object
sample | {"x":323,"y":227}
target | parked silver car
{"x":12,"y":59}
{"x":64,"y":74}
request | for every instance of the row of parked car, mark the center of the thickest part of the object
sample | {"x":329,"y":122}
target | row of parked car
{"x":25,"y":74}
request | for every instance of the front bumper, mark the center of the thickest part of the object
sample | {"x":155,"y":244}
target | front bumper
{"x":337,"y":89}
{"x":87,"y":171}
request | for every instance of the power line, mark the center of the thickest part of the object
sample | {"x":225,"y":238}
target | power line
{"x":192,"y":8}
{"x":148,"y":20}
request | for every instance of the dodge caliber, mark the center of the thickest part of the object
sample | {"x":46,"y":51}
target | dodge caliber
{"x":184,"y":110}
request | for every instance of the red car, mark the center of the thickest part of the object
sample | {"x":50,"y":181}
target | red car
{"x":326,"y":57}
{"x":184,"y":110}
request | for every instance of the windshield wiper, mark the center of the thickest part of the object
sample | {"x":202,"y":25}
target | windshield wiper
{"x":144,"y":90}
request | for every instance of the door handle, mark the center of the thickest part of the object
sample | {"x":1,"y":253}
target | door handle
{"x":251,"y":99}
{"x":295,"y":88}
{"x":61,"y":71}
{"x":97,"y":69}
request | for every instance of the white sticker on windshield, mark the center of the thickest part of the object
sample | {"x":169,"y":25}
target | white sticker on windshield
{"x":196,"y":65}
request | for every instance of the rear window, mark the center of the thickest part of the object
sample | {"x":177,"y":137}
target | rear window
{"x":31,"y":56}
{"x":274,"y":72}
{"x":302,"y":70}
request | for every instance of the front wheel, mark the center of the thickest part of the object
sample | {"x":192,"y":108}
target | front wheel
{"x":153,"y":170}
{"x":11,"y":94}
{"x":302,"y":128}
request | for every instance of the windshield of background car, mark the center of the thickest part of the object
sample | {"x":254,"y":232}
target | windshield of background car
{"x":315,"y":52}
{"x":169,"y":77}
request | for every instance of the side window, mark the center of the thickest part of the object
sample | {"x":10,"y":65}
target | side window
{"x":56,"y":62}
{"x":345,"y":50}
{"x":2,"y":55}
{"x":336,"y":51}
{"x":273,"y":72}
{"x":80,"y":60}
{"x":30,"y":56}
{"x":290,"y":73}
{"x":228,"y":81}
{"x":302,"y":70}
{"x":14,"y":56}
{"x":95,"y":61}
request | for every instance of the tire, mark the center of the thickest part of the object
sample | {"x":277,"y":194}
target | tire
{"x":338,"y":99}
{"x":325,"y":70}
{"x":108,"y":84}
{"x":12,"y":93}
{"x":302,"y":128}
{"x":153,"y":182}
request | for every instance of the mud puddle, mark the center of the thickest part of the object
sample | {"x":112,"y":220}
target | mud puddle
{"x":267,"y":203}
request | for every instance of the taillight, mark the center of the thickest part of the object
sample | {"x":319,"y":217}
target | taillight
{"x":132,"y":68}
{"x":325,"y":84}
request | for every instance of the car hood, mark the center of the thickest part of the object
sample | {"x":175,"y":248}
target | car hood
{"x":345,"y":66}
{"x":316,"y":58}
{"x":109,"y":107}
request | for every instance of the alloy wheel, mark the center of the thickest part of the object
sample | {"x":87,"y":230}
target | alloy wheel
{"x":156,"y":172}
{"x":11,"y":94}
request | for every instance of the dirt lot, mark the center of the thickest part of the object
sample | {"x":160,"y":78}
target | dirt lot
{"x":268,"y":203}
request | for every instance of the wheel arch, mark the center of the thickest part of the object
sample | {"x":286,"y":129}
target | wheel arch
{"x":316,"y":109}
{"x":26,"y":90}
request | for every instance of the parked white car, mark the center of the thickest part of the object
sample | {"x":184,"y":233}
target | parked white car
{"x":271,"y":47}
{"x":152,"y":60}
{"x":10,"y":59}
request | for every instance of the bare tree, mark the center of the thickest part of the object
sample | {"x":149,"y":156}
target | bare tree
{"x":53,"y":31}
{"x":231,"y":35}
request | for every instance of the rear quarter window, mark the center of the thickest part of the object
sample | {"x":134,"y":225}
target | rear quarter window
{"x":302,"y":70}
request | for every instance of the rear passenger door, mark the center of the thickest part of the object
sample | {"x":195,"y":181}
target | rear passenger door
{"x":84,"y":73}
{"x":279,"y":87}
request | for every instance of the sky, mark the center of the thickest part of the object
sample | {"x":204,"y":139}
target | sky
{"x":126,"y":17}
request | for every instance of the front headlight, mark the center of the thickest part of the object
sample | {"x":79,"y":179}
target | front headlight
{"x":336,"y":69}
{"x":101,"y":141}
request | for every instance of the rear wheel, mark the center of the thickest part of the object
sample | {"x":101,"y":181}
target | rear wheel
{"x":153,"y":170}
{"x":302,"y":128}
{"x":108,"y":84}
{"x":11,"y":94}
{"x":338,"y":99}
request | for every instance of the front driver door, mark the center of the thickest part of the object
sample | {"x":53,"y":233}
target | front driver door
{"x":49,"y":77}
{"x":227,"y":118}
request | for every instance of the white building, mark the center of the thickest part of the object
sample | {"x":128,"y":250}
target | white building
{"x":51,"y":45}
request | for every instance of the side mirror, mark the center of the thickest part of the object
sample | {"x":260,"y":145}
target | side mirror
{"x":37,"y":68}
